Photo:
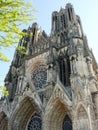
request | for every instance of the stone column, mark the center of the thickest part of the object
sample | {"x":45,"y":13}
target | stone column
{"x":89,"y":114}
{"x":96,"y":104}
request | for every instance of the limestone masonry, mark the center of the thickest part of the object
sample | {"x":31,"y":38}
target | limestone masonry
{"x":54,"y":86}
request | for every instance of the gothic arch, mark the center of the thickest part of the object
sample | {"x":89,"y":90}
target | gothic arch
{"x":57,"y":108}
{"x":35,"y":122}
{"x":64,"y":69}
{"x":23,"y":114}
{"x":82,"y":122}
{"x":33,"y":63}
{"x":62,"y":38}
{"x":3,"y":121}
{"x":80,"y":107}
{"x":55,"y":115}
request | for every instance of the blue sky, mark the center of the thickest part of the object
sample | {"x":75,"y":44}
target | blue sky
{"x":86,"y":9}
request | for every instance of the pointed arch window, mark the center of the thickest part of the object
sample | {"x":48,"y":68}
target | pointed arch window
{"x":64,"y":22}
{"x":67,"y":123}
{"x":62,"y":38}
{"x":61,"y":19}
{"x":62,"y":71}
{"x":55,"y":23}
{"x":69,"y":14}
{"x":64,"y":74}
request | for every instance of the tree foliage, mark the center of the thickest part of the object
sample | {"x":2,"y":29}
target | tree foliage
{"x":13,"y":14}
{"x":3,"y":91}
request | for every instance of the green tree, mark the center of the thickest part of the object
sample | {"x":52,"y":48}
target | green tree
{"x":13,"y":14}
{"x":3,"y":91}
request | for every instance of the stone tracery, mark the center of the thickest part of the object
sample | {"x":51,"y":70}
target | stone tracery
{"x":35,"y":123}
{"x":57,"y":84}
{"x":39,"y":77}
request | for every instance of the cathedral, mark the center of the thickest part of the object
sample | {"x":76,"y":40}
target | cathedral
{"x":54,"y":86}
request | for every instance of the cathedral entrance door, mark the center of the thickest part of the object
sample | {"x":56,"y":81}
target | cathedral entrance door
{"x":67,"y":123}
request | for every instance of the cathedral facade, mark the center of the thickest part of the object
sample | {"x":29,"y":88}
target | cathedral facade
{"x":55,"y":85}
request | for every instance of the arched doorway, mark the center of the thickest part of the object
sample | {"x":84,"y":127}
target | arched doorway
{"x":57,"y":113}
{"x":35,"y":123}
{"x":3,"y":121}
{"x":23,"y":114}
{"x":67,"y":123}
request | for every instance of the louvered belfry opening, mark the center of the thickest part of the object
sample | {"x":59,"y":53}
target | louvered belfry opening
{"x":64,"y":73}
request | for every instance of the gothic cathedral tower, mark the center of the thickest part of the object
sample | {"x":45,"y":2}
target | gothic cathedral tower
{"x":55,"y":85}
